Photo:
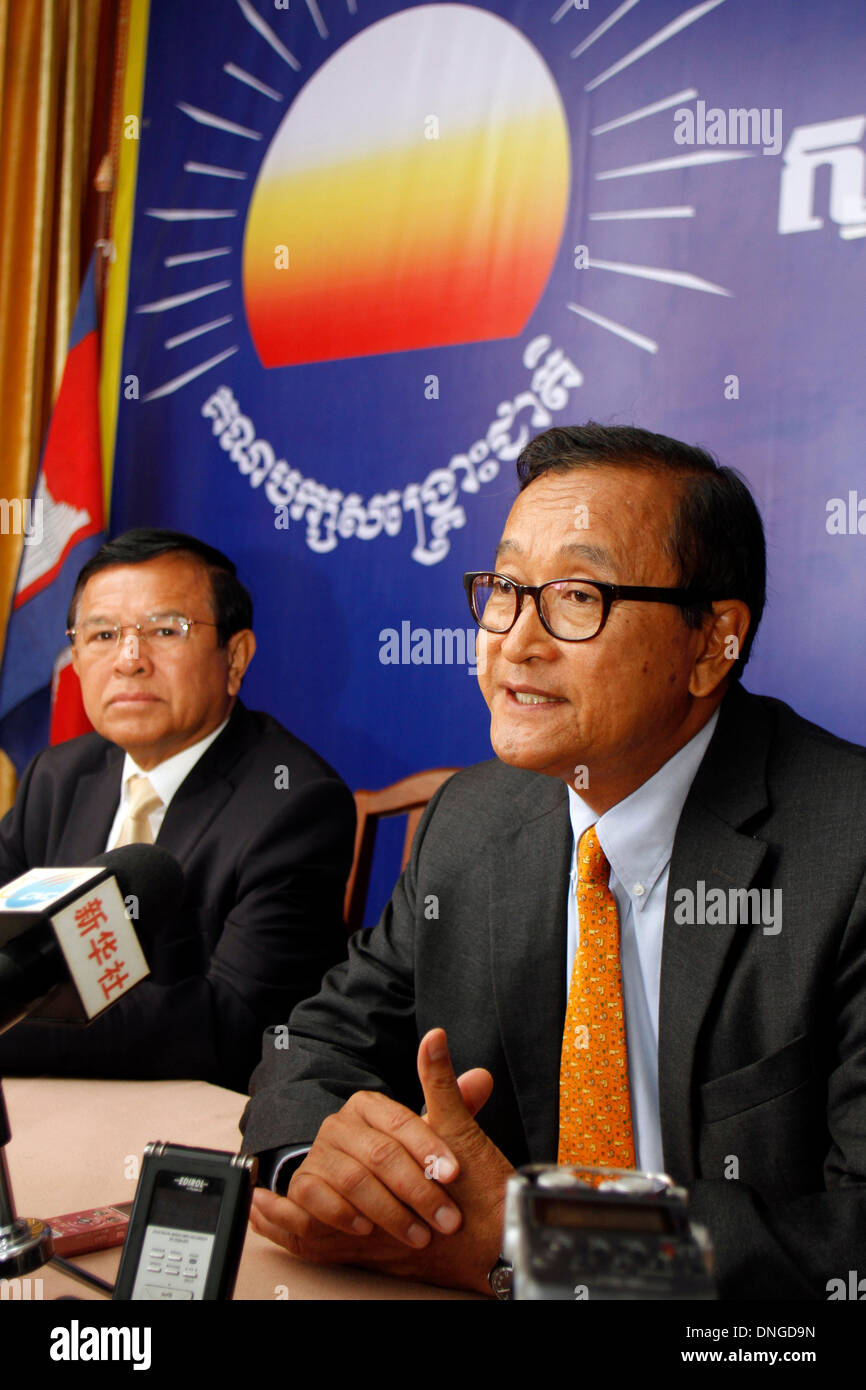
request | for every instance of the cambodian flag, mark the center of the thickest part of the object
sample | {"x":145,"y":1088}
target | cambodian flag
{"x":40,"y":698}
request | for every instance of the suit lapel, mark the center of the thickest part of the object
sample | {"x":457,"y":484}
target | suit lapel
{"x":730,"y":787}
{"x":527,"y":913}
{"x":91,"y":811}
{"x":203,"y":793}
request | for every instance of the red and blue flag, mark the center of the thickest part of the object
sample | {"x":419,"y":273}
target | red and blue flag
{"x":40,"y":699}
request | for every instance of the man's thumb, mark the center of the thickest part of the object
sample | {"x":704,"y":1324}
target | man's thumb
{"x":449,"y":1105}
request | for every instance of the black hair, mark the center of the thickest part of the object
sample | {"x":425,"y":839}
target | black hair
{"x":232,"y":605}
{"x":716,"y":538}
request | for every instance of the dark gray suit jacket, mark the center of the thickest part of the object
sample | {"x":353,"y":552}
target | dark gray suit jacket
{"x":762,"y":1045}
{"x":261,"y":919}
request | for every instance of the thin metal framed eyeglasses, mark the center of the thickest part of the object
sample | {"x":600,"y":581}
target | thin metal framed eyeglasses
{"x":159,"y":630}
{"x":571,"y":610}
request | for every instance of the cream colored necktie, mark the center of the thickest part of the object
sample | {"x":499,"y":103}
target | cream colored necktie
{"x":142,"y":800}
{"x":595,"y":1126}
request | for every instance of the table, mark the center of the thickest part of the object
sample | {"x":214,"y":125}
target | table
{"x":77,"y":1144}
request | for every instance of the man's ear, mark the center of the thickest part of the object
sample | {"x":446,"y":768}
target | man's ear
{"x":724,"y":633}
{"x":241,"y":648}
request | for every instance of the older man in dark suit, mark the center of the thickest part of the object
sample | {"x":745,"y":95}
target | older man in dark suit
{"x":261,"y":826}
{"x":643,"y":929}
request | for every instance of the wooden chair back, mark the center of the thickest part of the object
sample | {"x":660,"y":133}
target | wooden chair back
{"x":408,"y":797}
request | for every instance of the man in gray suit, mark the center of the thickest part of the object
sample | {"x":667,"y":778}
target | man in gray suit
{"x":733,"y":836}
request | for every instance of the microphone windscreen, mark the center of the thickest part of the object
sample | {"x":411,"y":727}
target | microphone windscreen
{"x":149,"y":873}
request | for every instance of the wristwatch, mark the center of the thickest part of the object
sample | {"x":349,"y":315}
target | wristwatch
{"x":499,"y":1278}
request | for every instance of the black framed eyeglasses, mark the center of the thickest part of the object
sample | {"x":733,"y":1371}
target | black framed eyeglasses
{"x":572,"y":610}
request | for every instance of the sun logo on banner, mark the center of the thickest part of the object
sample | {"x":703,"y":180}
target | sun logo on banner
{"x":417,"y":191}
{"x":414,"y":190}
{"x":415,"y":205}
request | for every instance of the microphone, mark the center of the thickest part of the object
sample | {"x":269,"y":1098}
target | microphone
{"x":66,"y":934}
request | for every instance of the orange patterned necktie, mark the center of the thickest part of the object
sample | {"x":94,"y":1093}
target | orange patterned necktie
{"x":594,"y":1108}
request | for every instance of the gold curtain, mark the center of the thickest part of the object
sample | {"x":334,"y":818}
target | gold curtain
{"x":56,"y":69}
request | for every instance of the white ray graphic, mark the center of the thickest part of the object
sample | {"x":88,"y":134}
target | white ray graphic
{"x":208,"y":118}
{"x":159,"y":306}
{"x":603,"y":28}
{"x":686,"y":95}
{"x":177,"y":382}
{"x":197,"y":332}
{"x":635,"y":214}
{"x":316,"y":14}
{"x":849,"y":233}
{"x":668,"y":32}
{"x":190,"y":214}
{"x":678,"y":161}
{"x":241,"y":75}
{"x":187,"y":257}
{"x":664,"y":277}
{"x":264,"y":29}
{"x":215,"y":170}
{"x":60,"y":522}
{"x":648,"y":344}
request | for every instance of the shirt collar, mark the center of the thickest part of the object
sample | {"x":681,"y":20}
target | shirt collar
{"x":167,"y":776}
{"x":637,"y":834}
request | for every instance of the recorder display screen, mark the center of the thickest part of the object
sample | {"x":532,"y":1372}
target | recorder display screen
{"x":607,"y":1216}
{"x":186,"y":1202}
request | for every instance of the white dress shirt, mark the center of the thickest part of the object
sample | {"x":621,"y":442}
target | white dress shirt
{"x":165,"y":779}
{"x":637,"y":837}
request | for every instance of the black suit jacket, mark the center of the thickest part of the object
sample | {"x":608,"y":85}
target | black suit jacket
{"x":262,"y":916}
{"x":762,"y":1037}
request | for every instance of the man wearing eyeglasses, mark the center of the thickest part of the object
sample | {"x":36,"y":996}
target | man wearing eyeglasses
{"x":161,"y":632}
{"x":648,"y":947}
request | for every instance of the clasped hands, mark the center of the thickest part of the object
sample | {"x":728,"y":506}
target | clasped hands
{"x":418,"y":1196}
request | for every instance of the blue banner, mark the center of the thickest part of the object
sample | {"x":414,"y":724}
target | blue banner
{"x":378,"y":245}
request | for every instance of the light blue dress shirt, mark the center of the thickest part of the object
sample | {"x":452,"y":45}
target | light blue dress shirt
{"x":637,"y":837}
